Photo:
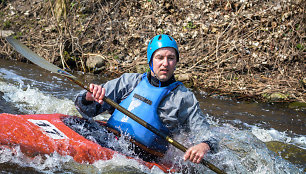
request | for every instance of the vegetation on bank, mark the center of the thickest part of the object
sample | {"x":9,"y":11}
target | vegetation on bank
{"x":252,"y":49}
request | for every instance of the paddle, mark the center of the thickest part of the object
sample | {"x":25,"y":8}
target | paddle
{"x":38,"y":60}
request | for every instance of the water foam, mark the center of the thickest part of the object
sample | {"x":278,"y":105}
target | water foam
{"x":55,"y":163}
{"x":32,"y":101}
{"x":274,"y":135}
{"x":120,"y":162}
{"x":242,"y":151}
{"x":42,"y":163}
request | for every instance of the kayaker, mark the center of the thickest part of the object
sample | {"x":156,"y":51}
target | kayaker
{"x":155,"y":97}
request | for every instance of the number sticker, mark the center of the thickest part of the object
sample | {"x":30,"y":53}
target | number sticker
{"x":49,"y":129}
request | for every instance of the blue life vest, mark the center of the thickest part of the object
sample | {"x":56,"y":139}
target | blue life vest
{"x":143,"y":102}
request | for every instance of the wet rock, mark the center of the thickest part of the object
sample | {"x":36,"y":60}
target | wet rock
{"x":297,"y":105}
{"x":278,"y":96}
{"x":6,"y":33}
{"x":95,"y":61}
{"x":183,"y":77}
{"x":289,"y":152}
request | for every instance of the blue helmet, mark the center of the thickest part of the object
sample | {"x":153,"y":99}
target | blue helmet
{"x":161,"y":41}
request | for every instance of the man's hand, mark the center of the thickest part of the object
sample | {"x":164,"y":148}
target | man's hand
{"x":196,"y":153}
{"x":97,"y":93}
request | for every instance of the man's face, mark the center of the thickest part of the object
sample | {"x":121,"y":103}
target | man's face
{"x":164,"y":62}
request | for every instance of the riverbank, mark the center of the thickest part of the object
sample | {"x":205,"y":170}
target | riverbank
{"x":250,"y":50}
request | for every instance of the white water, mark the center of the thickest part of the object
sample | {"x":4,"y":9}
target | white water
{"x":32,"y":101}
{"x":274,"y":135}
{"x":56,"y":163}
{"x":241,"y":151}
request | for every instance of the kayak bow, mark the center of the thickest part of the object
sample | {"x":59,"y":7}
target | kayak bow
{"x":40,"y":134}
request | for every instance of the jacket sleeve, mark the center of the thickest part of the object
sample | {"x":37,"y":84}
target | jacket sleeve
{"x":182,"y":111}
{"x":196,"y":122}
{"x":117,"y":90}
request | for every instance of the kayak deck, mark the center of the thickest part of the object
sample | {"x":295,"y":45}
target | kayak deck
{"x":47,"y":133}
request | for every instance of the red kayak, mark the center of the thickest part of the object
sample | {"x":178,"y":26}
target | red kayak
{"x":47,"y":133}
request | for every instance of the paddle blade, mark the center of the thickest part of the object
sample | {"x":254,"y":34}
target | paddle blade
{"x":36,"y":59}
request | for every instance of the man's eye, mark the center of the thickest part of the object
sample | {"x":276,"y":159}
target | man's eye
{"x":159,"y":57}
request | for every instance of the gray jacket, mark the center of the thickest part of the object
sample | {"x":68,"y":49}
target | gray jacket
{"x":178,"y":110}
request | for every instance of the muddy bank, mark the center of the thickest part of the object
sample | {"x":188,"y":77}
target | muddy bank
{"x":245,"y":49}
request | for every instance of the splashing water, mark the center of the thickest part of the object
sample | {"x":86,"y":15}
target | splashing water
{"x":274,"y":135}
{"x":51,"y":163}
{"x":240,"y":151}
{"x":32,"y":101}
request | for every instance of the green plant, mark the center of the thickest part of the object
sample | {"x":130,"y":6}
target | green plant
{"x":18,"y":34}
{"x":72,"y":4}
{"x":190,"y":25}
{"x":300,"y":47}
{"x":148,"y":69}
{"x":116,"y":57}
{"x":7,"y":24}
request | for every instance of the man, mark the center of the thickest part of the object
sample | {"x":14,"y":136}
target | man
{"x":157,"y":98}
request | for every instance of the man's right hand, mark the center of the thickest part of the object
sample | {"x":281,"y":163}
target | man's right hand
{"x":97,"y":93}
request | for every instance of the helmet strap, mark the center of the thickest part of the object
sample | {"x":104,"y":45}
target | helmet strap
{"x":151,"y":67}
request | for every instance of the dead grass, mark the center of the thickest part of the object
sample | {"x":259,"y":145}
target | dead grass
{"x":250,"y":49}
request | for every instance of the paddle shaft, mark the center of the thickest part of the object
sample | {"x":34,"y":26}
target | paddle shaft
{"x":27,"y":53}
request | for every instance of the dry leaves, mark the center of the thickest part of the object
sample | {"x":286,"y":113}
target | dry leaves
{"x":248,"y":48}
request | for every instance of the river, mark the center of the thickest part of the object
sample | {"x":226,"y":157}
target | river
{"x":254,"y":137}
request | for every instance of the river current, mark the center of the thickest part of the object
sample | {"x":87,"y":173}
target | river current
{"x":254,"y":137}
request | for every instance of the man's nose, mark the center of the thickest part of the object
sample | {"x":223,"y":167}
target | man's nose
{"x":165,"y":61}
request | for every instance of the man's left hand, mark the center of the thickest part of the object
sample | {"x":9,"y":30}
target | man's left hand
{"x":196,"y":153}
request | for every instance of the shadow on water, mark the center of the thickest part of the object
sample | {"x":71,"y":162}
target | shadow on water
{"x":265,"y":115}
{"x":15,"y":168}
{"x":6,"y":107}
